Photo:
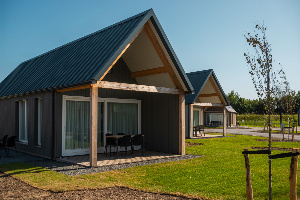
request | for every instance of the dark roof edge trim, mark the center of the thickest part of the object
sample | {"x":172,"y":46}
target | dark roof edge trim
{"x":171,"y":53}
{"x":50,"y":89}
{"x":203,"y":84}
{"x":126,"y":41}
{"x":221,"y":89}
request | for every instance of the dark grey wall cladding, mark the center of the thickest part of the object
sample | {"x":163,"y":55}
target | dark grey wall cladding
{"x":159,"y":123}
{"x":9,"y":123}
{"x":159,"y":120}
{"x":120,"y":73}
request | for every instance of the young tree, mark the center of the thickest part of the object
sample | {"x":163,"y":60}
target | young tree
{"x":264,"y":76}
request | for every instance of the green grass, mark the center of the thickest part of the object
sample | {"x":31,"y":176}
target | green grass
{"x":261,"y":120}
{"x":219,"y":174}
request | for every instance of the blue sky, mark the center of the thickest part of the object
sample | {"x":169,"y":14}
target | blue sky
{"x":204,"y":34}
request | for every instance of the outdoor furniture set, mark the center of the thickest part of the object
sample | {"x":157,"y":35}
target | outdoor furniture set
{"x":197,"y":129}
{"x":122,"y":140}
{"x":7,"y":143}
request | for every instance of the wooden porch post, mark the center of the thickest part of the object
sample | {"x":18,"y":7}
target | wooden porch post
{"x":93,"y":124}
{"x":191,"y":122}
{"x":224,"y":122}
{"x":181,"y":123}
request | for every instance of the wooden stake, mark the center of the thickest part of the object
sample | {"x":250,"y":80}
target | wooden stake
{"x":293,"y":134}
{"x":249,"y":190}
{"x":93,"y":124}
{"x":293,"y":175}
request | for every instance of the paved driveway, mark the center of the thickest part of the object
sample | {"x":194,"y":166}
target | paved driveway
{"x":251,"y":131}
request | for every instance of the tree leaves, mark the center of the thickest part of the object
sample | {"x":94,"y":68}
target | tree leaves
{"x":265,"y":78}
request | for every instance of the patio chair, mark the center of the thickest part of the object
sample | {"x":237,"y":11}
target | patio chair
{"x":125,"y":141}
{"x":11,"y":142}
{"x":3,"y":144}
{"x":4,"y":139}
{"x":201,"y":129}
{"x":110,"y":142}
{"x":137,"y":140}
{"x":197,"y":129}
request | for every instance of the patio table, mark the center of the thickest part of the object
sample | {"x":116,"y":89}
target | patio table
{"x":117,"y":137}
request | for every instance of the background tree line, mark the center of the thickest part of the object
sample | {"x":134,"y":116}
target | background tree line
{"x":290,"y":104}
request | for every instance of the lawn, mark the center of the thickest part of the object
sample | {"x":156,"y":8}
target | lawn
{"x":262,"y":120}
{"x":219,"y":174}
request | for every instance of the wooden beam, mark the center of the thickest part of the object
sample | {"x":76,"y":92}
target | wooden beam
{"x":119,"y":56}
{"x":191,"y":121}
{"x":138,"y":88}
{"x":93,"y":124}
{"x":75,"y":88}
{"x":215,"y":88}
{"x":149,"y":72}
{"x":209,"y":104}
{"x":208,"y":95}
{"x":162,"y":55}
{"x":181,"y":124}
{"x":224,"y":122}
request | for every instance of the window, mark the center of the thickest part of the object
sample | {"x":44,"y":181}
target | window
{"x":23,"y":132}
{"x":122,"y":118}
{"x":196,"y":117}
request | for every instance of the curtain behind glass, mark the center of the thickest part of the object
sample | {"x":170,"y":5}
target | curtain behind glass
{"x":122,"y":118}
{"x":195,"y":117}
{"x":78,"y":124}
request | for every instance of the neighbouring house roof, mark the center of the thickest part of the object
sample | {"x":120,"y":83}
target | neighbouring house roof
{"x":230,"y":109}
{"x":84,"y":60}
{"x":198,"y":80}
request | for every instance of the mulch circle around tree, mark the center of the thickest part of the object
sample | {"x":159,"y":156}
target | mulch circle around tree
{"x":190,"y":144}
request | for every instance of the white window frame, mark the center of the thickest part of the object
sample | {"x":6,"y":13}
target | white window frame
{"x":25,"y":121}
{"x":105,"y":101}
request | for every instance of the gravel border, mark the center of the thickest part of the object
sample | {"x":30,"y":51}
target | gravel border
{"x":74,"y":170}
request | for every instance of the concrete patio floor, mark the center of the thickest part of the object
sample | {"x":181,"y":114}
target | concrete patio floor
{"x":17,"y":157}
{"x":113,"y":160}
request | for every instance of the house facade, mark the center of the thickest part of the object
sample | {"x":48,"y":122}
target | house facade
{"x":125,"y":78}
{"x":208,"y":95}
{"x":213,"y":117}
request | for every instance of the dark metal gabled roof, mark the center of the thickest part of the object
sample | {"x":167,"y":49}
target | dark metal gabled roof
{"x":82,"y":61}
{"x":198,"y":80}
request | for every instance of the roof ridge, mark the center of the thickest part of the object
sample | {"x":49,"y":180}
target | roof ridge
{"x":89,"y":35}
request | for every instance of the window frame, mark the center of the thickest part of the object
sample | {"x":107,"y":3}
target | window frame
{"x":23,"y":102}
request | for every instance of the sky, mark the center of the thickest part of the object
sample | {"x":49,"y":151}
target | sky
{"x":204,"y":34}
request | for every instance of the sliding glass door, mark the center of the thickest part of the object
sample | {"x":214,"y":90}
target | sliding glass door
{"x":114,"y":116}
{"x":77,"y":127}
{"x":196,"y":118}
{"x":122,"y":118}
